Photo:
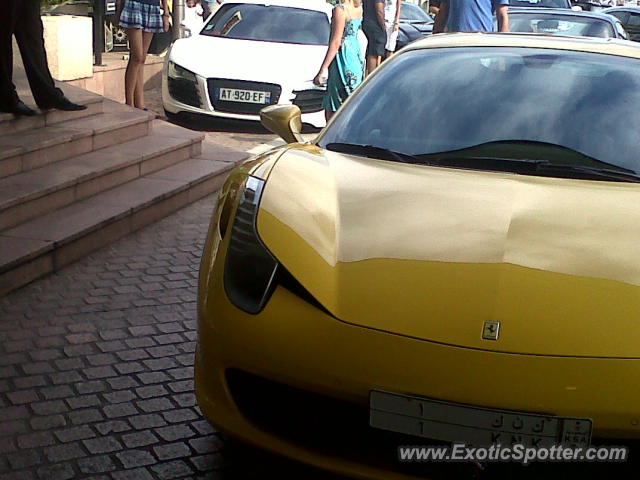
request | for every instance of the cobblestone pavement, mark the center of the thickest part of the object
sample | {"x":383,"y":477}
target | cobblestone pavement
{"x":96,"y":366}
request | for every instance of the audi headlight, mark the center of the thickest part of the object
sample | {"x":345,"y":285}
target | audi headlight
{"x":249,"y":268}
{"x":176,"y":71}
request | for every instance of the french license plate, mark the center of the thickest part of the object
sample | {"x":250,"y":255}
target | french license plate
{"x":243,"y":96}
{"x":452,"y":422}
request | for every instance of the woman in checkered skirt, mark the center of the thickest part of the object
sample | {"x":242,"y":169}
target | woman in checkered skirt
{"x":141,"y":19}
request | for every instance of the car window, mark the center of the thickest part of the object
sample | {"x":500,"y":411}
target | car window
{"x":620,"y":15}
{"x":439,"y":100}
{"x":413,"y":13}
{"x":540,"y":3}
{"x":550,"y":24}
{"x":634,"y":20}
{"x":269,"y":24}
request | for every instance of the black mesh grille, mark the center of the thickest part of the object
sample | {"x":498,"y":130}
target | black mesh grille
{"x":309,"y":100}
{"x":338,"y":428}
{"x":184,"y":91}
{"x":214,"y":84}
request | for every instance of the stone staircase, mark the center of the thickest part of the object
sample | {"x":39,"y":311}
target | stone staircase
{"x":72,"y":182}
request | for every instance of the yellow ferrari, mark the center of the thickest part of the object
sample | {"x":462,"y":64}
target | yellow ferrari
{"x":454,"y":258}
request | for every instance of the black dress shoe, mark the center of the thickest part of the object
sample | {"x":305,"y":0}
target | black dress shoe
{"x":19,"y":109}
{"x":63,"y":103}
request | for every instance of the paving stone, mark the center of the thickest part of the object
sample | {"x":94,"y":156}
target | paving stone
{"x":84,"y":401}
{"x":152,"y":391}
{"x":129,"y":367}
{"x":99,"y":372}
{"x":171,"y":451}
{"x":102,"y":445}
{"x":30,"y":382}
{"x":170,"y":470}
{"x":70,"y":363}
{"x":74,"y":433}
{"x":58,"y":471}
{"x":48,"y":422}
{"x":61,"y":391}
{"x":112,"y":426}
{"x":49,"y":408}
{"x":64,"y":452}
{"x":13,"y":427}
{"x":139,"y":439}
{"x":175,"y":432}
{"x":135,"y":458}
{"x":180,"y":415}
{"x":65,"y":377}
{"x":87,"y":415}
{"x":33,"y":440}
{"x":120,"y":410}
{"x":208,"y":462}
{"x":120,"y":396}
{"x":7,"y":445}
{"x":24,"y":459}
{"x":96,"y":464}
{"x":153,"y":377}
{"x":122,"y":382}
{"x":25,"y":475}
{"x":140,"y":422}
{"x":134,"y":474}
{"x":23,"y":396}
{"x":154,"y":405}
{"x":91,"y":387}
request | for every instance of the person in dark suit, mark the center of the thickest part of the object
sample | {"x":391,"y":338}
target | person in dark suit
{"x":22,"y":19}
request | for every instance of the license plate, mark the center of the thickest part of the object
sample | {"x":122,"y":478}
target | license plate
{"x":243,"y":96}
{"x":452,"y":422}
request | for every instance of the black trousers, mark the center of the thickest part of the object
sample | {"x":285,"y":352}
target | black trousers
{"x":22,"y":19}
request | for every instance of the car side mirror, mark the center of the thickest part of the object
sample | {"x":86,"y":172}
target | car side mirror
{"x":283,"y":120}
{"x":576,"y":8}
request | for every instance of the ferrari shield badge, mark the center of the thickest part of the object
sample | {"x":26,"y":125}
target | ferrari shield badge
{"x":491,"y":330}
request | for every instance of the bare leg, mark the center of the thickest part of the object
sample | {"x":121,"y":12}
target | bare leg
{"x":138,"y":96}
{"x":372,"y":63}
{"x":328,"y":114}
{"x":136,"y":56}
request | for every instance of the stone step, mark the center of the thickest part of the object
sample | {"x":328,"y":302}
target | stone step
{"x":51,"y":241}
{"x":10,"y":123}
{"x":31,"y":149}
{"x":36,"y":192}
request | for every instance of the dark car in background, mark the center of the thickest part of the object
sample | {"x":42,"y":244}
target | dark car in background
{"x":565,"y":22}
{"x":414,"y":23}
{"x":539,"y":4}
{"x":629,"y":16}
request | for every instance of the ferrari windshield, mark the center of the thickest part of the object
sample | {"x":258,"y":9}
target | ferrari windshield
{"x":269,"y":23}
{"x":553,"y":24}
{"x":562,"y":106}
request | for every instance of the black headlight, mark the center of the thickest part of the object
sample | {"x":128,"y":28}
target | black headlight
{"x":183,"y":85}
{"x":249,"y":268}
{"x":176,"y":71}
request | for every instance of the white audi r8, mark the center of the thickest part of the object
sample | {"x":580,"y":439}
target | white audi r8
{"x":249,"y":54}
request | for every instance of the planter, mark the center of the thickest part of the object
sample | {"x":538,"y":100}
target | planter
{"x":69,"y":43}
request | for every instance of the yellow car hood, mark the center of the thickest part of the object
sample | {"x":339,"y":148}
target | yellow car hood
{"x":433,"y":253}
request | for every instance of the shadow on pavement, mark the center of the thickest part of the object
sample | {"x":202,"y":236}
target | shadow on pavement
{"x":212,"y":124}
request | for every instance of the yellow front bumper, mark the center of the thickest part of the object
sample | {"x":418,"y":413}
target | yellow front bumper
{"x":296,"y":344}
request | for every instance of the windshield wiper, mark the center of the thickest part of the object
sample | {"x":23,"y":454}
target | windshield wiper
{"x":528,"y":166}
{"x":570,"y":171}
{"x":372,"y":151}
{"x":529,"y":151}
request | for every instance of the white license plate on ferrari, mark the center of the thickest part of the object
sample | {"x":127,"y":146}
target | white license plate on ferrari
{"x":243,"y":96}
{"x":478,"y":426}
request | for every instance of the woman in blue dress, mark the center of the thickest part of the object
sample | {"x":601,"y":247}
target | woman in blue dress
{"x":343,"y":63}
